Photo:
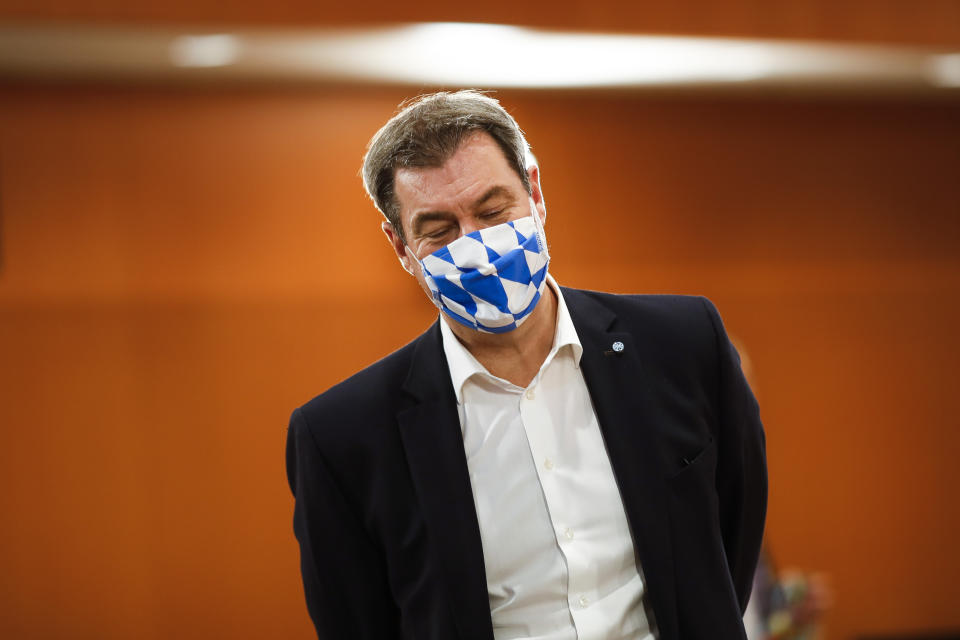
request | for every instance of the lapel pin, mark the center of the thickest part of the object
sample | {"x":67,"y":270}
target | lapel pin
{"x":616,"y":347}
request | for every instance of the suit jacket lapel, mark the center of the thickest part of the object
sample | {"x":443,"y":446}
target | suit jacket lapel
{"x":619,"y":389}
{"x":430,"y":431}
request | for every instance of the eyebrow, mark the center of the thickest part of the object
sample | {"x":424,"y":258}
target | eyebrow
{"x":492,"y":192}
{"x":421,"y":219}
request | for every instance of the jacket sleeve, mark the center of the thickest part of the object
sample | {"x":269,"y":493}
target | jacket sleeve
{"x":344,"y":577}
{"x":741,"y":476}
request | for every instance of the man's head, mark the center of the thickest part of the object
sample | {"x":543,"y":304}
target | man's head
{"x":427,"y":132}
{"x":449,"y":165}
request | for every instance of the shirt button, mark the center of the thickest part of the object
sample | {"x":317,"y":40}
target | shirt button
{"x":530,"y":394}
{"x":548,"y":464}
{"x":584,"y":601}
{"x":568,"y":533}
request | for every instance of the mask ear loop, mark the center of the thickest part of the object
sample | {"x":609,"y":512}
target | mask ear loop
{"x":540,"y":231}
{"x":431,"y":285}
{"x":427,"y":277}
{"x":407,"y":265}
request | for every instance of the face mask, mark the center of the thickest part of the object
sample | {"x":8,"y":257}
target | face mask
{"x":490,"y":280}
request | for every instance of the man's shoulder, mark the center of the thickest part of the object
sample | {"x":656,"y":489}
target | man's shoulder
{"x":371,"y":395}
{"x":647,"y":300}
{"x":649,"y":309}
{"x":677,"y":332}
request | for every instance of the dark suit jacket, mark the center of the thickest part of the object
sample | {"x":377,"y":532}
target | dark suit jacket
{"x":389,"y":541}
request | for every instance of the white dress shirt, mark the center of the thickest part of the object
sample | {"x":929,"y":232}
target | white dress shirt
{"x":559,"y":557}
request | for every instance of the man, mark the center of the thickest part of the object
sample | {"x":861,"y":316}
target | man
{"x":543,"y":462}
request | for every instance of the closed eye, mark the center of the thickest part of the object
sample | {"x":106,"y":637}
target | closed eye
{"x":439,"y":233}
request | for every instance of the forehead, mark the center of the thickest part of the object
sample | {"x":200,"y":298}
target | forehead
{"x":477,"y":165}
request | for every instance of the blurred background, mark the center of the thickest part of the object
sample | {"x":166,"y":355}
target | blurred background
{"x":186,"y":254}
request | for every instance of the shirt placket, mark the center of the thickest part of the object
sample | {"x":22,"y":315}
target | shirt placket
{"x":542,"y":440}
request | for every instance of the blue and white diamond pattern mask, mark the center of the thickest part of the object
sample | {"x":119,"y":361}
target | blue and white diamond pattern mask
{"x":490,"y":280}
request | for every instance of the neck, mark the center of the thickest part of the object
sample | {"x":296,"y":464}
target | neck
{"x":515,"y":356}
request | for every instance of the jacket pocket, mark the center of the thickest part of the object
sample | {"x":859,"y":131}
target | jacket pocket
{"x":705,"y":458}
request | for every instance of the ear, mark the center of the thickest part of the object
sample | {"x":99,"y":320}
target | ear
{"x":399,"y":247}
{"x":533,"y":172}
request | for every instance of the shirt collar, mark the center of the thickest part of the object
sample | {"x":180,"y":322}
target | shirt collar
{"x":463,"y":365}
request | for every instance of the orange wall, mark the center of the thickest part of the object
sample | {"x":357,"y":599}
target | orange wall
{"x":181,"y":268}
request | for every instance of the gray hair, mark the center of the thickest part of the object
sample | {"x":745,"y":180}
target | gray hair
{"x":426,"y":132}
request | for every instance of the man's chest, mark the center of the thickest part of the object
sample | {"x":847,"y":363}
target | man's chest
{"x":558,"y":554}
